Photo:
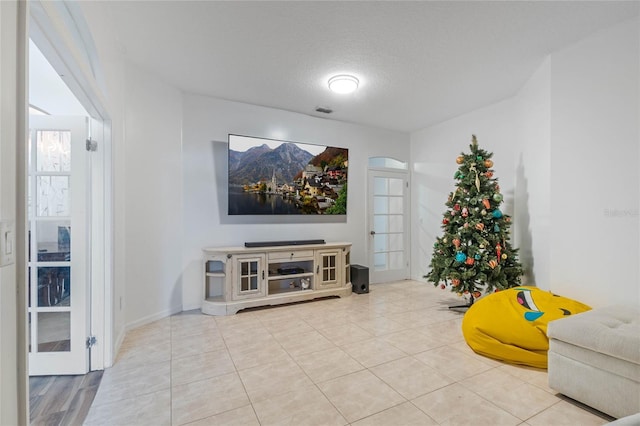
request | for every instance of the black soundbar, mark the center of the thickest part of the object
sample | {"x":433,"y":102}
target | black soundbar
{"x":282,"y":243}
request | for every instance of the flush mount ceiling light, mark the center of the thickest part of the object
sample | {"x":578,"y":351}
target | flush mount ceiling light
{"x":343,"y":83}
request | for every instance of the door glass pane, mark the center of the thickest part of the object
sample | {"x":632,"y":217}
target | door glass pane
{"x":254,"y":267}
{"x":254,"y":283}
{"x":380,"y":261}
{"x":380,"y":205}
{"x":244,"y":268}
{"x":380,"y":186}
{"x":380,"y":223}
{"x":396,"y":260}
{"x":395,"y":223}
{"x":53,"y":195}
{"x":395,"y":205}
{"x":54,"y":331}
{"x":380,"y":243}
{"x":54,"y":241}
{"x":244,"y":284}
{"x":53,"y":150}
{"x":332,"y":261}
{"x":54,"y":286}
{"x":396,"y":187}
{"x":325,"y":261}
{"x":395,"y":242}
{"x":332,"y":274}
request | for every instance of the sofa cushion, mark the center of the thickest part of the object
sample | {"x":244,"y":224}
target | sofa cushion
{"x":595,"y":359}
{"x":613,"y":331}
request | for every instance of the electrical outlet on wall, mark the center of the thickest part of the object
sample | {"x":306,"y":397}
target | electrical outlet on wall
{"x":7,"y":242}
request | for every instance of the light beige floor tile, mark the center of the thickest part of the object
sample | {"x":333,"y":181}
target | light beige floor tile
{"x":381,"y":325}
{"x":412,"y":342}
{"x":192,"y":322}
{"x":122,"y":384}
{"x":412,"y":319}
{"x":535,"y":376}
{"x":268,"y":379}
{"x":452,"y":363}
{"x":141,"y":354}
{"x":243,"y":416}
{"x":204,"y":398}
{"x":522,"y":399}
{"x":327,"y":364}
{"x":297,"y":326}
{"x":304,"y":343}
{"x":345,"y":333}
{"x":185,"y":346}
{"x":259,"y":355}
{"x":565,"y":413}
{"x":324,"y":340}
{"x":456,"y":405}
{"x":404,"y":414}
{"x":360,"y":394}
{"x":150,"y":409}
{"x":201,"y":366}
{"x":306,"y":406}
{"x":373,"y":352}
{"x":320,"y":320}
{"x":250,"y":341}
{"x":385,"y":306}
{"x":410,"y":377}
{"x":447,"y":331}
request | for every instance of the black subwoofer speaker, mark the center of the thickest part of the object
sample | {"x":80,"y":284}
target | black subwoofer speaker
{"x":359,"y":279}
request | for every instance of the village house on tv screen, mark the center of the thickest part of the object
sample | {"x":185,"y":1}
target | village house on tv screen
{"x":272,"y":177}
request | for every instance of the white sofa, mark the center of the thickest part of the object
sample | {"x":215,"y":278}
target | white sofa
{"x":594,"y":358}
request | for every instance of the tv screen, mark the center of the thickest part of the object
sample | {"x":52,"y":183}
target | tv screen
{"x":273,"y":177}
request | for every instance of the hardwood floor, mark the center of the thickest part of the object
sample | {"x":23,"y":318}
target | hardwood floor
{"x":62,"y":400}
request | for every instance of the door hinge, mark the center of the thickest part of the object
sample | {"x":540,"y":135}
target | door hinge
{"x":91,"y":341}
{"x":92,"y":145}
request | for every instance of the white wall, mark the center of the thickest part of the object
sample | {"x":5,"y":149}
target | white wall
{"x":208,"y":121}
{"x":146,"y":123}
{"x":152,"y":198}
{"x":570,"y":154}
{"x":594,"y":173}
{"x":433,"y":154}
{"x":531,"y":220}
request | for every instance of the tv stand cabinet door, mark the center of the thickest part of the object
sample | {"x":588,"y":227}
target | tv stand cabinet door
{"x":328,"y":269}
{"x":249,"y":276}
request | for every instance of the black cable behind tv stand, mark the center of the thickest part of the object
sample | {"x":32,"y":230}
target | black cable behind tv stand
{"x":282,"y":243}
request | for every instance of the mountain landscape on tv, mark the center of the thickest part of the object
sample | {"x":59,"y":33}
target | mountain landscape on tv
{"x":287,"y":180}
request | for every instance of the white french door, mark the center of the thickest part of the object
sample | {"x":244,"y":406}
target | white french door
{"x":59,"y":272}
{"x":388,"y":221}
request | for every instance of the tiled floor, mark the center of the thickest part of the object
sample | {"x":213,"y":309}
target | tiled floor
{"x":395,"y":356}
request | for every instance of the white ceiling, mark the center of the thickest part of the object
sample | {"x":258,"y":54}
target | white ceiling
{"x":419,"y":63}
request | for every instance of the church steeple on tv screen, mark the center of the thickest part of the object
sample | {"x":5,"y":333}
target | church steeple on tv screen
{"x":274,"y":177}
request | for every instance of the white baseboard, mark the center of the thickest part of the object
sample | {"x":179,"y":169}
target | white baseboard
{"x":153,"y":317}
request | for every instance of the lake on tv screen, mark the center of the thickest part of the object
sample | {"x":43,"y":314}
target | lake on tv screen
{"x":247,"y":203}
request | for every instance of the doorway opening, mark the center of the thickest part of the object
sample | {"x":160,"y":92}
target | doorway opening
{"x":69,"y":213}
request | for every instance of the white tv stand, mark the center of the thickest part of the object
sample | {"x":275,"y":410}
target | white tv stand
{"x":237,"y":278}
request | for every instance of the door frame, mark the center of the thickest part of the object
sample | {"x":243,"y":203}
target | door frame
{"x":403,"y":274}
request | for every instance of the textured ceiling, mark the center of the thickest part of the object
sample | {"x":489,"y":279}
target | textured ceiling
{"x":419,"y":63}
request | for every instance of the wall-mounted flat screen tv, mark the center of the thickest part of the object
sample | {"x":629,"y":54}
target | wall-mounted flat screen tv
{"x":274,"y":177}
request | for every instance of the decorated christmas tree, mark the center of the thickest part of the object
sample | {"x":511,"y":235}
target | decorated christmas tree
{"x":473,"y":255}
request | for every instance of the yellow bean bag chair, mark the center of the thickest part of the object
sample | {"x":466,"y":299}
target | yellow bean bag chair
{"x":511,"y":325}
